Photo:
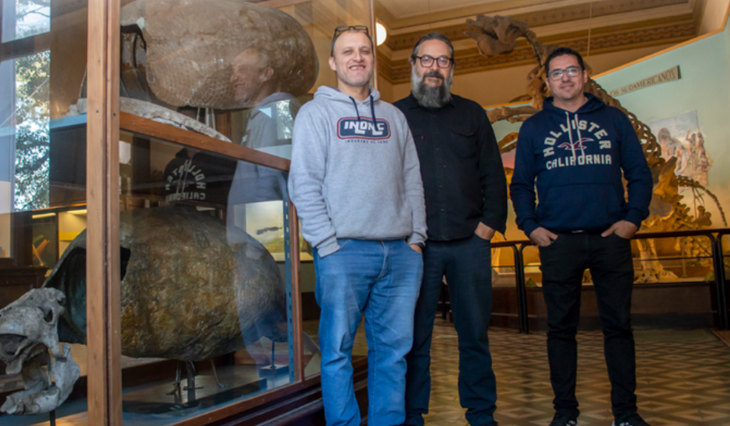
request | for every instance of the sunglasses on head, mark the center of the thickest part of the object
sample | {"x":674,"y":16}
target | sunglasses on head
{"x":345,"y":28}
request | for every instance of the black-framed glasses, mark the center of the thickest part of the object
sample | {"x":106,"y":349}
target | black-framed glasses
{"x":441,"y":61}
{"x":345,"y":28}
{"x":570,"y":72}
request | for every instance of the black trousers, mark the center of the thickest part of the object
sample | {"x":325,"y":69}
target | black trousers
{"x":467,"y":266}
{"x":610,"y":262}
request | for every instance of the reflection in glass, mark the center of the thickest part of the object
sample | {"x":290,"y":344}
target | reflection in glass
{"x":213,"y":56}
{"x":45,"y":240}
{"x":259,"y":84}
{"x":270,"y":124}
{"x":25,"y":18}
{"x":205,"y":277}
{"x":24,"y":129}
{"x":40,"y":76}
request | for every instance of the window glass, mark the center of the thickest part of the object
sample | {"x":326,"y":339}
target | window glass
{"x":206,"y":311}
{"x":25,"y":18}
{"x":42,"y":211}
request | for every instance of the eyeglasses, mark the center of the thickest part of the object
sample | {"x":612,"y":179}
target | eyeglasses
{"x":427,"y":61}
{"x":345,"y":28}
{"x":570,"y":72}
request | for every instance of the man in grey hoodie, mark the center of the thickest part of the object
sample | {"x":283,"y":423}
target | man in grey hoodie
{"x":356,"y":183}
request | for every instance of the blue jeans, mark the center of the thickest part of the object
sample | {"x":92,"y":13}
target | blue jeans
{"x":468,"y":269}
{"x":380,"y":279}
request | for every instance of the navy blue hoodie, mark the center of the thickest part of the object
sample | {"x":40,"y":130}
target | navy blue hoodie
{"x":577,"y":159}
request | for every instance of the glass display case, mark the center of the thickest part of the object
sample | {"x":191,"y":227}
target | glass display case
{"x":144,"y":214}
{"x":42,"y":66}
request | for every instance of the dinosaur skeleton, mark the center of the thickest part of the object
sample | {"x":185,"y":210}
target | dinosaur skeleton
{"x":500,"y":35}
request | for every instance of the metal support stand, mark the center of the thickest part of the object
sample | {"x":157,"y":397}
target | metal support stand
{"x":210,"y":118}
{"x":273,"y":349}
{"x":176,"y":386}
{"x":215,"y":374}
{"x":52,"y":417}
{"x":272,"y":370}
{"x":719,"y":265}
{"x":191,"y":381}
{"x":720,"y":275}
{"x":190,"y":367}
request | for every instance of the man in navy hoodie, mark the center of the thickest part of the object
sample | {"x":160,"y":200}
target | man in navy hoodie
{"x":576,"y":150}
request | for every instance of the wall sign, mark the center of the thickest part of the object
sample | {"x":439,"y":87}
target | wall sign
{"x":671,"y":74}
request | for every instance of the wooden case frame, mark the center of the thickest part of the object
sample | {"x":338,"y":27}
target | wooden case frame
{"x":104,"y":122}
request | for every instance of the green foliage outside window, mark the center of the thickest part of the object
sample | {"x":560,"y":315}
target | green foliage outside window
{"x":32,"y":144}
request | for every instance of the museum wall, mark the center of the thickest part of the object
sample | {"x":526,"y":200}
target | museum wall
{"x":694,"y":104}
{"x":386,"y":90}
{"x":500,"y":86}
{"x":713,"y":16}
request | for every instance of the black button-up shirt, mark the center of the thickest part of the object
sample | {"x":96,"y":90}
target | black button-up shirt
{"x":461,"y":167}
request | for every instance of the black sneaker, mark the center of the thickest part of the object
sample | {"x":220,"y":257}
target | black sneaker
{"x":563,"y":420}
{"x":630,"y":420}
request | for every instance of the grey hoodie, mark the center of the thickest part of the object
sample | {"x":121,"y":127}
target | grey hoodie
{"x":354,"y":175}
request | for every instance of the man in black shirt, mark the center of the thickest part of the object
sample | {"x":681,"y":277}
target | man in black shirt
{"x":466,"y":203}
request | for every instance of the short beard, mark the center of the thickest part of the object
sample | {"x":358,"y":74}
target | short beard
{"x":431,"y":97}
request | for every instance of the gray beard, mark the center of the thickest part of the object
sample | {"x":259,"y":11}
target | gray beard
{"x":427,"y":96}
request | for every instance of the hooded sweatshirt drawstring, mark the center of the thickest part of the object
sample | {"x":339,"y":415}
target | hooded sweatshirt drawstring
{"x":580,"y":138}
{"x":570,"y":134}
{"x":330,"y":157}
{"x":355,"y":105}
{"x":372,"y":109}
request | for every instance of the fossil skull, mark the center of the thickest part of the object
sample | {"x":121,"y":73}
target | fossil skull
{"x":28,"y":331}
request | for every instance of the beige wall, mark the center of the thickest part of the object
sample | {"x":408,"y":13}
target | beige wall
{"x":502,"y":85}
{"x":386,"y":90}
{"x":713,"y":15}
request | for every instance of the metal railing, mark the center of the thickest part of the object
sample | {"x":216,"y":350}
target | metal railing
{"x":717,"y":256}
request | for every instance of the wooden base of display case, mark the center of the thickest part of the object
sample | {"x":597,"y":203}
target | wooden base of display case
{"x":659,"y":305}
{"x":298,"y":404}
{"x":304,"y":407}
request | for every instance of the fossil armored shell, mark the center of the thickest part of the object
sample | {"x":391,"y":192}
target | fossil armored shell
{"x":192,"y":43}
{"x":186,"y":293}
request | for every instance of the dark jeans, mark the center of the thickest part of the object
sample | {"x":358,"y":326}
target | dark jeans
{"x":609,"y":260}
{"x":467,"y":266}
